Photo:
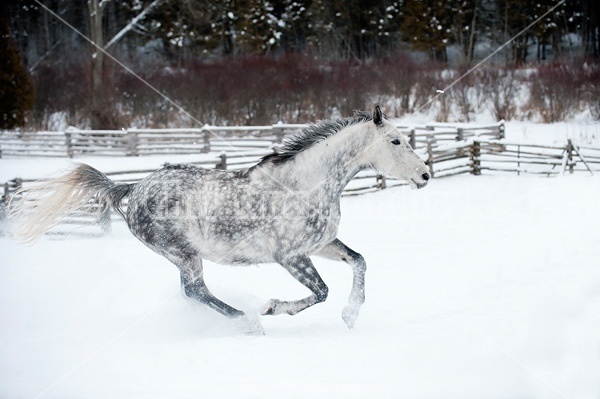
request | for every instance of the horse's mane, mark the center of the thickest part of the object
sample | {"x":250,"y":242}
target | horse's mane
{"x":314,"y":133}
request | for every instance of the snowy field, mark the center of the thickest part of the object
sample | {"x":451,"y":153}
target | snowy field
{"x":477,"y":287}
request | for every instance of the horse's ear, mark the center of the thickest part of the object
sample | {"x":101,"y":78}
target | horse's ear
{"x":378,"y":116}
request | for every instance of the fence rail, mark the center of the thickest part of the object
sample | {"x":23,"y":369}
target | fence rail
{"x":501,"y":156}
{"x":139,"y":142}
{"x":447,"y":150}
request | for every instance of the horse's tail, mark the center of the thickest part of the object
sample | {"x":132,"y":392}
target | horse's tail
{"x":43,"y":204}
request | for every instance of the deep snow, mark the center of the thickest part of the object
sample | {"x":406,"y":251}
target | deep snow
{"x":477,"y":287}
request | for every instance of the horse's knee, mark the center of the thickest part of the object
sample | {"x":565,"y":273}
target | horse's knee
{"x":193,"y":287}
{"x":322,"y":293}
{"x":191,"y":290}
{"x":361,"y":264}
{"x":357,"y":261}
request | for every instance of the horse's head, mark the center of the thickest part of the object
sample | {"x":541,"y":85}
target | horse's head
{"x":393,"y":155}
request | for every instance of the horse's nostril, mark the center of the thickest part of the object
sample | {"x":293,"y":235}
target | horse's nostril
{"x":425,"y":176}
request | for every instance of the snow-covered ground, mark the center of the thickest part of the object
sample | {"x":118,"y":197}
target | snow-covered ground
{"x":484,"y":286}
{"x":477,"y":287}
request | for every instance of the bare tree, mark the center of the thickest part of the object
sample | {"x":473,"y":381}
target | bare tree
{"x":96,"y":9}
{"x":101,"y":114}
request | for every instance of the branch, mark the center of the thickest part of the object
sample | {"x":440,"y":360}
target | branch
{"x":133,"y":22}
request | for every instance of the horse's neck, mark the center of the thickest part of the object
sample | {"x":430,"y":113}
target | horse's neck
{"x":328,"y":166}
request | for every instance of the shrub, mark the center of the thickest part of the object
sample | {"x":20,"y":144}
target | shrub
{"x":556,"y":90}
{"x":297,"y":88}
{"x":500,"y":89}
{"x":592,"y":96}
{"x":468,"y":93}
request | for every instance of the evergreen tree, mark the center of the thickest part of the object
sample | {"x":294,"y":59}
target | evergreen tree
{"x":16,"y":89}
{"x":298,"y":26}
{"x":463,"y":25}
{"x":514,"y":17}
{"x":589,"y":13}
{"x":354,"y":28}
{"x":427,"y":26}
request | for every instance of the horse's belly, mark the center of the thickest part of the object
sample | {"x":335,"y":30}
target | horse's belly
{"x":241,"y":258}
{"x":236,"y":245}
{"x":267,"y":243}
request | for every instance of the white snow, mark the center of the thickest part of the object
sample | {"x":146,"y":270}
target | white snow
{"x":477,"y":287}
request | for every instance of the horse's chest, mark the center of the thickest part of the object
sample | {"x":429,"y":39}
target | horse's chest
{"x":323,"y":221}
{"x":314,"y":230}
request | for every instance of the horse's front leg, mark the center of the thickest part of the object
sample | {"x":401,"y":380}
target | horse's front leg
{"x":302,"y":269}
{"x":337,"y":250}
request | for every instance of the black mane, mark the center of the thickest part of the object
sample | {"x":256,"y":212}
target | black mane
{"x":314,"y":133}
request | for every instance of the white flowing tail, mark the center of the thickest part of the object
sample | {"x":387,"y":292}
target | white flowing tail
{"x":45,"y":203}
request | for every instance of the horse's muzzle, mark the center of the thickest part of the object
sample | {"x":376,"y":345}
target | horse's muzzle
{"x":425,"y":177}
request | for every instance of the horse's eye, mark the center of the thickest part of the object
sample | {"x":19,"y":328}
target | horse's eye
{"x":396,"y":142}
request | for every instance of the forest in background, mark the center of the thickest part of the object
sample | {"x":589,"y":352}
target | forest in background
{"x":256,"y":62}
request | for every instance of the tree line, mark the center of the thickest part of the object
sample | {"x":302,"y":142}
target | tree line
{"x":180,"y":30}
{"x":152,"y":34}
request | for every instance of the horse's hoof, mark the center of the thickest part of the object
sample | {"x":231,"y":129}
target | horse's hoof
{"x":268,"y":311}
{"x":251,"y":326}
{"x":270,"y":308}
{"x":349,"y":315}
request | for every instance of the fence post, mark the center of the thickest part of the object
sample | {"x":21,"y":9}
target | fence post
{"x":570,"y":155}
{"x":206,"y":146}
{"x":278,"y":132}
{"x":381,"y":182}
{"x":16,"y":184}
{"x":104,"y":221}
{"x":460,"y":134}
{"x":69,"y":143}
{"x":519,"y":160}
{"x":3,"y":213}
{"x":430,"y":136}
{"x":413,"y":139}
{"x":430,"y":156}
{"x":6,"y":193}
{"x":222,"y":164}
{"x":132,"y":143}
{"x":475,"y":158}
{"x":501,"y":131}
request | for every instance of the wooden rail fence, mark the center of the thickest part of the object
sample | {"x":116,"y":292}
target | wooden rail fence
{"x":139,"y":142}
{"x":500,"y":156}
{"x":447,"y":150}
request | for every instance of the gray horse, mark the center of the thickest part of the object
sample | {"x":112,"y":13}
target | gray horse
{"x":284,"y":209}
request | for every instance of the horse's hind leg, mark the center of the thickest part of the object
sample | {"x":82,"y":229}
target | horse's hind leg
{"x":192,"y":282}
{"x":302,"y":269}
{"x":186,"y":258}
{"x":337,"y":250}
